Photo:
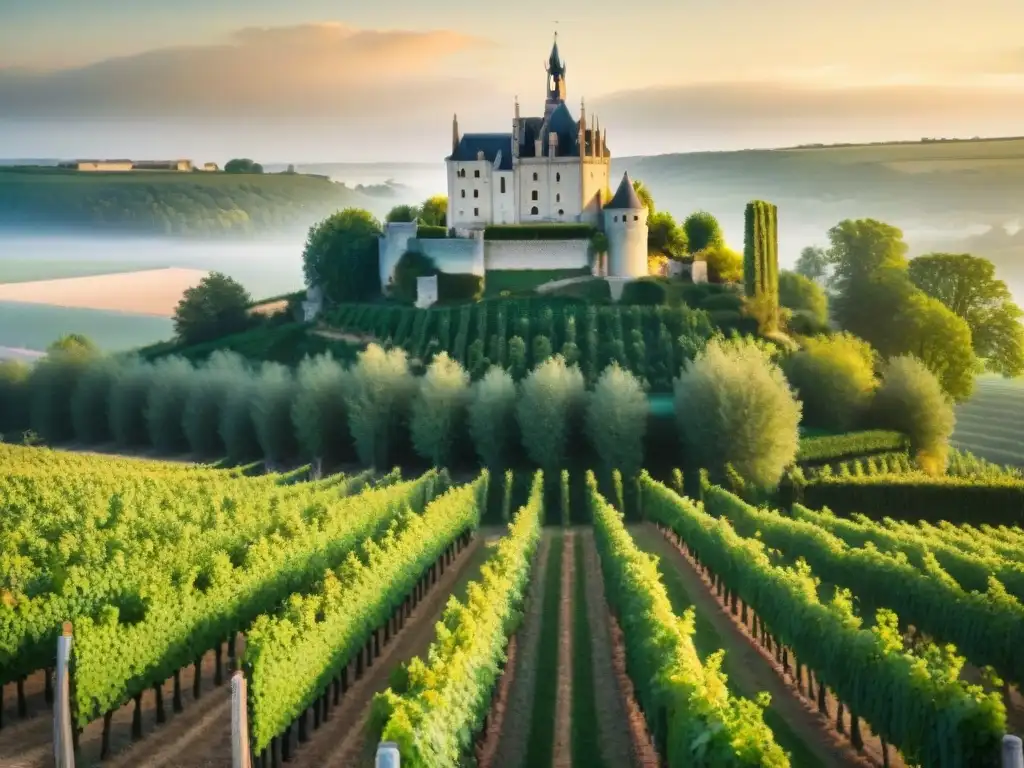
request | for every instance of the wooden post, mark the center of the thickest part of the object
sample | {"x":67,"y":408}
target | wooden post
{"x":63,"y":744}
{"x":240,"y":757}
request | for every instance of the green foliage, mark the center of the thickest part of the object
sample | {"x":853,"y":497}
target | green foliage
{"x":211,"y":386}
{"x":450,"y":693}
{"x":689,"y":712}
{"x":236,"y":425}
{"x":966,"y":724}
{"x":14,"y":395}
{"x":538,"y":232}
{"x":911,"y":400}
{"x":941,"y":340}
{"x":646,"y":292}
{"x":702,"y":231}
{"x":761,"y":261}
{"x":51,"y":386}
{"x":90,"y":401}
{"x":439,"y":410}
{"x":129,"y":394}
{"x":734,"y":406}
{"x":724,"y":264}
{"x":492,"y":418}
{"x":541,"y":349}
{"x":800,"y":293}
{"x":645,"y":196}
{"x":274,"y":391}
{"x":428,"y":232}
{"x":318,"y":411}
{"x":524,"y":280}
{"x":218,"y":306}
{"x":242,"y":165}
{"x":378,"y":402}
{"x":834,"y":377}
{"x":410,"y":267}
{"x":165,"y":404}
{"x":341,"y":256}
{"x":458,"y":288}
{"x":550,"y":405}
{"x":434,"y":211}
{"x":402,"y":213}
{"x":517,"y":364}
{"x":291,"y":657}
{"x":812,"y":263}
{"x":666,"y":237}
{"x":616,"y":420}
{"x":967,"y":286}
{"x":827,"y":448}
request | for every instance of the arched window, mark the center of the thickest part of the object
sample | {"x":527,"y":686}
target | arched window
{"x":533,"y":195}
{"x":558,"y":177}
{"x":534,"y":176}
{"x":561,"y":212}
{"x":534,"y":211}
{"x":558,"y":197}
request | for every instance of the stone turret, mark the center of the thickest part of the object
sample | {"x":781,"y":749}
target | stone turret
{"x":625,"y":226}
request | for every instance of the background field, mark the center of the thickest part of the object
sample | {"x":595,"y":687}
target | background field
{"x":991,"y":423}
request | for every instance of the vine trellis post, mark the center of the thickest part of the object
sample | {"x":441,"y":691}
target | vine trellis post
{"x":63,"y":738}
{"x":1013,"y":752}
{"x":388,"y":755}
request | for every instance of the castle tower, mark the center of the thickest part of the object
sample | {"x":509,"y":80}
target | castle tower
{"x":625,"y":226}
{"x":556,"y":80}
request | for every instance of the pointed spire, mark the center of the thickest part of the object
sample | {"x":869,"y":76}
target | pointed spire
{"x":455,"y":132}
{"x":604,"y":140}
{"x":625,"y":196}
{"x":596,"y":142}
{"x":555,"y":63}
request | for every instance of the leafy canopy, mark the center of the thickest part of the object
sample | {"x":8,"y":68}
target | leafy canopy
{"x":702,"y":231}
{"x":665,"y":237}
{"x":217,"y":307}
{"x":801,"y":293}
{"x":341,"y":256}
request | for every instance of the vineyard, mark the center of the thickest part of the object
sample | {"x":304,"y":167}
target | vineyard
{"x":220,"y":617}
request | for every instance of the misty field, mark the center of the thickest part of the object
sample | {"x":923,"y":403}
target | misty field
{"x":35,"y":326}
{"x":991,"y":423}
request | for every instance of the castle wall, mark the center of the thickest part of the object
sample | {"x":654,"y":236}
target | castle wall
{"x":392,"y":246}
{"x":558,"y":186}
{"x":594,"y":180}
{"x":536,"y":254}
{"x":453,"y":255}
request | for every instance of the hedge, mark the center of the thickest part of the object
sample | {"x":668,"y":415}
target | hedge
{"x":829,"y":448}
{"x":644,"y":291}
{"x":526,"y":280}
{"x":431,"y":232}
{"x":538,"y":232}
{"x":459,"y":287}
{"x":915,"y":496}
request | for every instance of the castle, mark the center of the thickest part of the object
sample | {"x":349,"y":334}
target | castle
{"x":551,"y":169}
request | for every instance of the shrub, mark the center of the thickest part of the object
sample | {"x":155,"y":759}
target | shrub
{"x":616,"y":420}
{"x":378,"y":401}
{"x":541,"y":349}
{"x":273,"y":393}
{"x":14,"y":395}
{"x":128,"y":396}
{"x":643,"y":292}
{"x":412,"y":266}
{"x":459,"y":287}
{"x":90,"y":402}
{"x":802,"y":294}
{"x":318,"y":413}
{"x":549,"y":405}
{"x":51,"y":385}
{"x":218,"y":306}
{"x":208,"y":393}
{"x":726,"y":300}
{"x":165,"y":404}
{"x":911,"y":400}
{"x":517,"y":357}
{"x":439,"y":410}
{"x":734,"y":406}
{"x":492,"y":418}
{"x":828,"y":448}
{"x":236,"y":425}
{"x":431,"y":232}
{"x":702,"y":231}
{"x":834,"y":378}
{"x":724,"y":264}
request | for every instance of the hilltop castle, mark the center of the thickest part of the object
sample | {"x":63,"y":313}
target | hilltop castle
{"x":551,"y":169}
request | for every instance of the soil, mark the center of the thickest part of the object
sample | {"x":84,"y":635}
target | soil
{"x":28,"y":743}
{"x":563,"y":704}
{"x":352,"y":338}
{"x":622,"y":732}
{"x":505,"y":745}
{"x":344,"y":740}
{"x":755,"y":670}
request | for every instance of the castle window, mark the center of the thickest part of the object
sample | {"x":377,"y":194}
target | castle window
{"x":476,"y":174}
{"x":561,"y":212}
{"x":476,"y":193}
{"x":615,"y":218}
{"x":534,"y":211}
{"x":533,"y":195}
{"x":558,"y":197}
{"x":463,"y":193}
{"x":535,"y":177}
{"x":636,"y":218}
{"x":503,"y":185}
{"x":558,"y":177}
{"x":476,"y":211}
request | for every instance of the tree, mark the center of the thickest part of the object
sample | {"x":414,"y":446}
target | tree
{"x":939,"y":339}
{"x":967,"y":285}
{"x":616,"y":420}
{"x":434,"y":211}
{"x":211,"y":388}
{"x":439,"y":410}
{"x":52,"y":383}
{"x":800,"y":293}
{"x":549,"y":406}
{"x":813,"y":263}
{"x":665,"y":236}
{"x":911,"y":400}
{"x":734,"y":407}
{"x":378,"y":401}
{"x":242,"y":165}
{"x":274,"y":392}
{"x":702,"y":231}
{"x":73,"y":344}
{"x":412,"y":266}
{"x":14,"y":395}
{"x":318,"y":413}
{"x":341,"y":256}
{"x":645,"y":196}
{"x":492,"y":418}
{"x":165,"y":404}
{"x":218,"y":306}
{"x":724,"y":264}
{"x":402,"y":213}
{"x":834,"y":377}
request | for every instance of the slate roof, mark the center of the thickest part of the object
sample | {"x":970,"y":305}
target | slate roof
{"x":491,"y":144}
{"x":625,"y":196}
{"x":561,"y":123}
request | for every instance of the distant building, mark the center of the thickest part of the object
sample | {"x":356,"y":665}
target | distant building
{"x":122,"y":166}
{"x":211,"y":167}
{"x":162,"y":165}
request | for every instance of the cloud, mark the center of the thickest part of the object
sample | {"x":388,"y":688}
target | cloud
{"x":318,"y":70}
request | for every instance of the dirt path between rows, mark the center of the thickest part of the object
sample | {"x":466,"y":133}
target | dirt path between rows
{"x":622,"y":731}
{"x":506,"y":746}
{"x":755,"y":670}
{"x":562,"y":755}
{"x":344,"y":740}
{"x":28,"y":743}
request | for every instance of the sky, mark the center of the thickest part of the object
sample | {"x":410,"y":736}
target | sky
{"x":317,"y":81}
